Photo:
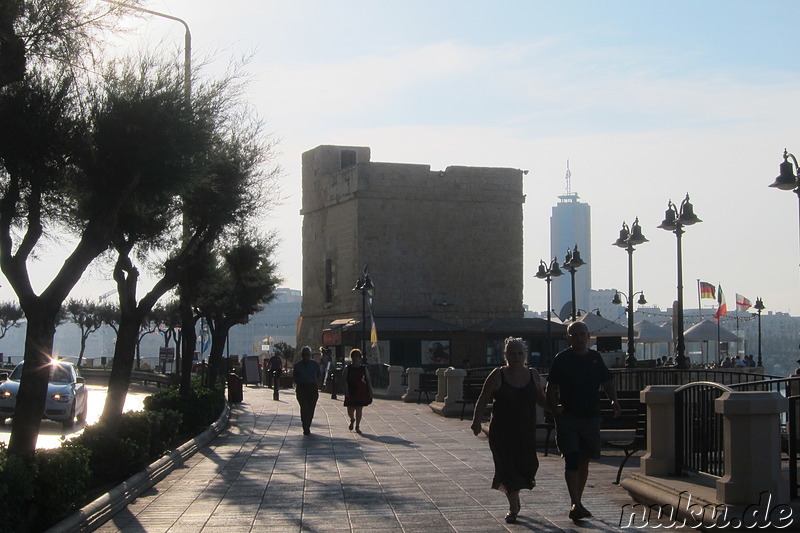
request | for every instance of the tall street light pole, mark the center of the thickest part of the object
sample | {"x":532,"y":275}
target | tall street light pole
{"x":759,"y":307}
{"x":628,"y":238}
{"x":548,"y":273}
{"x":571,"y":264}
{"x":787,"y":180}
{"x":187,"y":43}
{"x":674,"y":220}
{"x":184,"y":306}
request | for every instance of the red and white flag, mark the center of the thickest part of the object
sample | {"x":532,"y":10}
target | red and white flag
{"x":742,"y":303}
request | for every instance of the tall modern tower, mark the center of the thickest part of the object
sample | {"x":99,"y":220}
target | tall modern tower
{"x":570,"y":225}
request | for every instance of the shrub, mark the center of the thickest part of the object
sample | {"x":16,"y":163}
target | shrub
{"x":200,"y":409}
{"x":37,"y":491}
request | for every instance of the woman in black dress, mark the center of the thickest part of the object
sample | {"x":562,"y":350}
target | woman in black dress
{"x":514,"y":390}
{"x":358,"y":388}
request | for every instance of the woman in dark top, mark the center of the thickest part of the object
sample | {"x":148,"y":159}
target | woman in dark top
{"x":514,"y":390}
{"x":358,"y":388}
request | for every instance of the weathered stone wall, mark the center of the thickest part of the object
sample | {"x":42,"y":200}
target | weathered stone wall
{"x":445,"y":244}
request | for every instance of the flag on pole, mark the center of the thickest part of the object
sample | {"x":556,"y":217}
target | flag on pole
{"x":373,"y":336}
{"x":742,"y":303}
{"x":707,"y":290}
{"x":722,"y":310}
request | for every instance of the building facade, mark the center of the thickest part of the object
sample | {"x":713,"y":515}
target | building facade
{"x":443,"y":249}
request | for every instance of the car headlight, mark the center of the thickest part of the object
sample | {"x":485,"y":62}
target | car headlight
{"x":59,"y":397}
{"x":6,"y":395}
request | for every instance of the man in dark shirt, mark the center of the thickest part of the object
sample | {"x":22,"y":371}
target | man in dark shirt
{"x":307,"y":376}
{"x":573,"y":386}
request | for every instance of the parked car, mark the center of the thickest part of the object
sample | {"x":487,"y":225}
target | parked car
{"x":67,"y":396}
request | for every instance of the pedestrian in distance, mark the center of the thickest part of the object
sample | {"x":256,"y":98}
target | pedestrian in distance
{"x":573,"y":383}
{"x":307,"y":376}
{"x":515,"y":390}
{"x":357,"y":388}
{"x":274,"y":372}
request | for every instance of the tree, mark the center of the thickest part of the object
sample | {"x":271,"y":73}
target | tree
{"x":11,"y":316}
{"x":243,"y":280}
{"x":72,"y":168}
{"x":48,"y":32}
{"x":221,"y":185}
{"x":83,"y":314}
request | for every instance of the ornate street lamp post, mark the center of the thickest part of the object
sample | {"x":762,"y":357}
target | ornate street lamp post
{"x":571,"y":264}
{"x":674,"y":220}
{"x":628,"y":238}
{"x":759,"y":307}
{"x":548,"y":273}
{"x":787,"y":180}
{"x":365,"y":286}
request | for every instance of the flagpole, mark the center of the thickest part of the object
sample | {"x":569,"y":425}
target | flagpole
{"x":699,"y":305}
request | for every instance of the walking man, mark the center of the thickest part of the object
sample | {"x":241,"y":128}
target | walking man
{"x":573,"y":386}
{"x":307,"y":376}
{"x":274,"y":371}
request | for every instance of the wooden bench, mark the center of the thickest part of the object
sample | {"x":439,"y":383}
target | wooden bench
{"x":471,"y":392}
{"x":633,"y":419}
{"x":428,"y":383}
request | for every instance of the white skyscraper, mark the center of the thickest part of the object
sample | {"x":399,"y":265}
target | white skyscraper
{"x":571,"y":225}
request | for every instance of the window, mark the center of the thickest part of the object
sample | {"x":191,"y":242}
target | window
{"x":348,"y":158}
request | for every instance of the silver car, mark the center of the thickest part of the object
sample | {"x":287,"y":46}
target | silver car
{"x":66,"y":394}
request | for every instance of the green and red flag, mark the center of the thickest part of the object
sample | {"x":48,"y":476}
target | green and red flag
{"x":722,"y":310}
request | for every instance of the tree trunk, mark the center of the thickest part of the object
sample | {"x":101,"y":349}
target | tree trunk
{"x":35,"y":376}
{"x":121,"y":369}
{"x":189,"y":341}
{"x":219,"y":337}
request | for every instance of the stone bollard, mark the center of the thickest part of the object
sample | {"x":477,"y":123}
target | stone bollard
{"x":659,"y":460}
{"x":752,"y":447}
{"x":395,"y":389}
{"x":453,"y":391}
{"x":413,"y":384}
{"x":441,"y":385}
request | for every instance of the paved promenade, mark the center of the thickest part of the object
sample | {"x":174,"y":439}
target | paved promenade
{"x":410,"y":471}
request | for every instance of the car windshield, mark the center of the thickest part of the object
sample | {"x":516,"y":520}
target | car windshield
{"x":58,"y":374}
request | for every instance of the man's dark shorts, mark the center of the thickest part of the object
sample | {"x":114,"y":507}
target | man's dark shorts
{"x":578,"y":434}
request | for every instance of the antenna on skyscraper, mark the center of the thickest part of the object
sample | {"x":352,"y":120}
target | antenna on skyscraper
{"x":568,"y":177}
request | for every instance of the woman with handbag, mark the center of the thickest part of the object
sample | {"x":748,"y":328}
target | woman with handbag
{"x":358,"y":388}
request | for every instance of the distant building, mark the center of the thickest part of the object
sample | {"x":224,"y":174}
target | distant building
{"x":443,"y":249}
{"x":571,"y":225}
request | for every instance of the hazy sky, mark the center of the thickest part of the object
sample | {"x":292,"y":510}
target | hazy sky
{"x":648,"y":100}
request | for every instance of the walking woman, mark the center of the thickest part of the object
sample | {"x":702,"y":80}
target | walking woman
{"x":358,"y":388}
{"x":515,"y":390}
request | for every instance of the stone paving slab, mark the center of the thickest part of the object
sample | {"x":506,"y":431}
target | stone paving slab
{"x":410,"y":471}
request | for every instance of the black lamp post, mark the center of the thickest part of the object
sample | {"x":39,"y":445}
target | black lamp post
{"x":674,"y":220}
{"x":571,"y":264}
{"x":759,"y":307}
{"x":548,"y":273}
{"x":365,"y":286}
{"x":628,"y":238}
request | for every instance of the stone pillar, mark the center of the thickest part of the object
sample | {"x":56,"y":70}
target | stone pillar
{"x":659,"y":460}
{"x":395,"y":389}
{"x":441,"y":388}
{"x":752,"y":447}
{"x":453,"y":391}
{"x":413,"y":384}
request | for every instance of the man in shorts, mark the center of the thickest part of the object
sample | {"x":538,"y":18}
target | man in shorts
{"x":573,"y":393}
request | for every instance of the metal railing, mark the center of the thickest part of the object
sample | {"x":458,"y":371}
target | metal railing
{"x":698,"y":429}
{"x":640,"y":378}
